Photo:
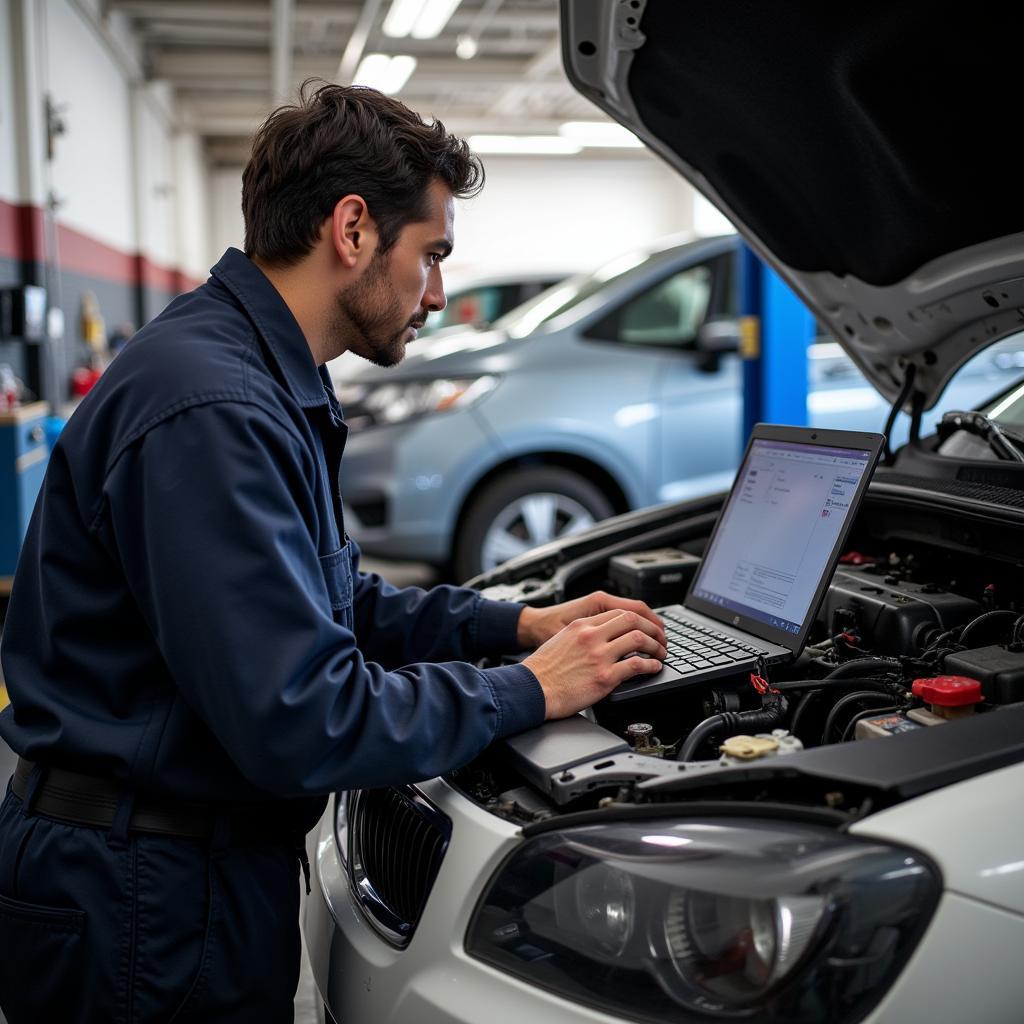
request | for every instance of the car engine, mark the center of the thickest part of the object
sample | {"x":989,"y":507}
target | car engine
{"x":916,"y":653}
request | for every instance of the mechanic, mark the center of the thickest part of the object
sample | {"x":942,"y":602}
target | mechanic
{"x":193,"y":655}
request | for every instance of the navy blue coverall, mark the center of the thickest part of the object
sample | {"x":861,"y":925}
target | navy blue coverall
{"x":188,"y":618}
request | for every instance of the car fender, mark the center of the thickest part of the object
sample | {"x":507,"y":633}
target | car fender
{"x":571,"y":440}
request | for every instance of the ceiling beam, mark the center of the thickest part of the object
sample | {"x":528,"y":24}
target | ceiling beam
{"x":236,"y":14}
{"x":183,"y":64}
{"x":356,"y":45}
{"x":463,"y":20}
{"x":180,"y":33}
{"x":281,"y":51}
{"x":544,"y":68}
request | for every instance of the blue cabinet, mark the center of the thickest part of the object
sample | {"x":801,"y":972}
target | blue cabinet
{"x":23,"y":455}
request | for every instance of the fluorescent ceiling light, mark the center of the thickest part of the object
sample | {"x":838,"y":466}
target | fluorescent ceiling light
{"x":434,"y":18}
{"x":540,"y":144}
{"x":388,"y":74}
{"x":422,"y":19}
{"x":402,"y":17}
{"x":599,"y":133}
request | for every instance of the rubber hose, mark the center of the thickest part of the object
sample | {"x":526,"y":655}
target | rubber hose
{"x":830,"y":683}
{"x":981,"y":620}
{"x":843,"y":702}
{"x":863,"y":666}
{"x":801,"y":708}
{"x":698,"y":734}
{"x":760,"y":720}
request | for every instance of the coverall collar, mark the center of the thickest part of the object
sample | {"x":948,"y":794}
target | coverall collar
{"x":277,"y":326}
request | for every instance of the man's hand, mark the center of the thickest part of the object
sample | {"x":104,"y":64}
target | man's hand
{"x":538,"y":625}
{"x":587,"y":659}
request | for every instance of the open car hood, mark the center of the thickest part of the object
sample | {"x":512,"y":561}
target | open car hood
{"x":860,"y":149}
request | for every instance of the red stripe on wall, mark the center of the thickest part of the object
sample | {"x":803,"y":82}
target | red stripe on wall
{"x":21,"y":231}
{"x":22,"y":238}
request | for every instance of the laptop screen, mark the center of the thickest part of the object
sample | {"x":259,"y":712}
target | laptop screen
{"x":783,"y":519}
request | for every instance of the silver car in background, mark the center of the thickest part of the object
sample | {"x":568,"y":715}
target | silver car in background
{"x":609,"y":392}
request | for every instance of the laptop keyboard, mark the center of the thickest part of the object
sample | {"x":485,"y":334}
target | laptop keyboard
{"x":692,"y":647}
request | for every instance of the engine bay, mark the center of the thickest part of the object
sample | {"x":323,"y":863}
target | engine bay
{"x":917,"y":648}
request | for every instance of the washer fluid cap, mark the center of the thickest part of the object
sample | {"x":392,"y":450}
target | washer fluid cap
{"x":749,"y":748}
{"x":948,"y":691}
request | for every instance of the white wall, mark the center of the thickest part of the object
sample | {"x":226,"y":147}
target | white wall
{"x":92,"y":172}
{"x":566,"y":213}
{"x":226,"y":225}
{"x":155,"y":173}
{"x":192,"y":200}
{"x":119,"y":173}
{"x":8,"y":163}
{"x":535,"y":213}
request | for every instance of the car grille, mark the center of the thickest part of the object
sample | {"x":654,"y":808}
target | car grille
{"x":397,"y":841}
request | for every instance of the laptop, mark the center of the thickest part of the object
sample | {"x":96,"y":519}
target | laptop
{"x":770,"y":558}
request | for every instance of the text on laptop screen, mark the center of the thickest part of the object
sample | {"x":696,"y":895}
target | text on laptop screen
{"x":778,"y":528}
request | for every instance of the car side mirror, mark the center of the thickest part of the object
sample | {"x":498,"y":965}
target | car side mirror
{"x":715,"y":338}
{"x":719,"y":336}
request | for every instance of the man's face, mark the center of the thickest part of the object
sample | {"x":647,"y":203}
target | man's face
{"x":379,"y":314}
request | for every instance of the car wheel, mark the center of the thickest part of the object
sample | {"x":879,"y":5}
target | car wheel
{"x":522,"y":509}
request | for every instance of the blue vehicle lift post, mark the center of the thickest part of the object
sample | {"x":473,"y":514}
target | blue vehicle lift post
{"x":776,"y":329}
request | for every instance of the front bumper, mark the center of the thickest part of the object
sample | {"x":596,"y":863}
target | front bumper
{"x":433,"y":981}
{"x":414,"y":476}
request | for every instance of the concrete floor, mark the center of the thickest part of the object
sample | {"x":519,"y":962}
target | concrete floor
{"x":402,"y":574}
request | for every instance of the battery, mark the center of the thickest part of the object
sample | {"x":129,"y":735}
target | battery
{"x":661,"y":576}
{"x":884,"y":725}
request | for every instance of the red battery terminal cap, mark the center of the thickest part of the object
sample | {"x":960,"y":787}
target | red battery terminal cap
{"x":948,"y":691}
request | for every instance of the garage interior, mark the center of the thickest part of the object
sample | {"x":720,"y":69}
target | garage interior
{"x":125,"y":126}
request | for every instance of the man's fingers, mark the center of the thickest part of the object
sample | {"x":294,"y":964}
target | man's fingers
{"x":599,"y":619}
{"x":640,"y":642}
{"x":620,"y":621}
{"x":635,"y":666}
{"x":610,"y":602}
{"x":642,"y":609}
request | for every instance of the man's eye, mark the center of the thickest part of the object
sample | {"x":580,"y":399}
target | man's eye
{"x":435,"y":257}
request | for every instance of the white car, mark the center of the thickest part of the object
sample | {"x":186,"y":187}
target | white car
{"x":864,"y":859}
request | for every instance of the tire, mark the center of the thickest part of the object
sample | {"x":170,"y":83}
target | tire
{"x":522,"y":509}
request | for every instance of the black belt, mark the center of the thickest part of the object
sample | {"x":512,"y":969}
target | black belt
{"x":77,"y":799}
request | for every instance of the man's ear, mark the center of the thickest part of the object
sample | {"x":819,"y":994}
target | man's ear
{"x":353,"y":231}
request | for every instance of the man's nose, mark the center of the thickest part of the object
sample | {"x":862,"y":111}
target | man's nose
{"x":434,"y":298}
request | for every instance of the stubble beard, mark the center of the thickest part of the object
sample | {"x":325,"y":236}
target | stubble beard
{"x":366,"y":316}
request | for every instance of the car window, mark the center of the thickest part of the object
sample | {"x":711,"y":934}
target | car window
{"x":670,"y":313}
{"x":562,"y":297}
{"x":549,"y":304}
{"x":473,"y":306}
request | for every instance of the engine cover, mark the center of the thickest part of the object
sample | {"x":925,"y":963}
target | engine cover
{"x":891,"y":614}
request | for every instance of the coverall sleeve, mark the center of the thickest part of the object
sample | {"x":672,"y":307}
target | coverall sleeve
{"x":395,"y":626}
{"x":212,"y":515}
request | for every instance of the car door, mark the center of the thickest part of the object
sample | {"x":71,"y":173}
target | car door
{"x":697,"y":399}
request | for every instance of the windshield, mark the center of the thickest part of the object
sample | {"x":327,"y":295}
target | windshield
{"x":1009,"y":409}
{"x":841,"y":398}
{"x":555,"y":301}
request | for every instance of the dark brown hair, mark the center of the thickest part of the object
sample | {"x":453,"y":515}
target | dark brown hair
{"x":340,"y":140}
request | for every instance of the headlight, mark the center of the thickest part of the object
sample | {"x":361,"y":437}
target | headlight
{"x":721,"y":919}
{"x":370,"y":405}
